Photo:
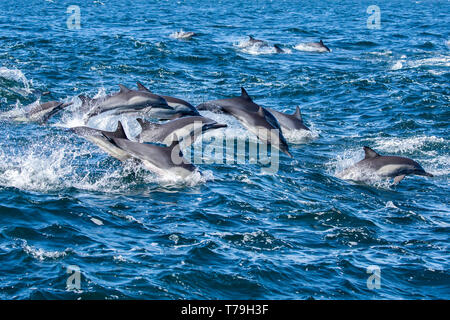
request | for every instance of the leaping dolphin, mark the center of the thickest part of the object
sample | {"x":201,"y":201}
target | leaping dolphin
{"x":127,"y":101}
{"x":289,"y":121}
{"x":182,"y":108}
{"x":41,"y":112}
{"x":390,"y":166}
{"x":255,"y":118}
{"x":158,"y":159}
{"x":103,"y":139}
{"x":186,"y":129}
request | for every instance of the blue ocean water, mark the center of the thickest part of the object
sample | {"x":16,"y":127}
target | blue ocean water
{"x":235,"y":233}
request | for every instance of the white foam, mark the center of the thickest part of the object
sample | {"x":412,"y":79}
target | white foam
{"x":17,"y":76}
{"x":41,"y":254}
{"x":408,"y":144}
{"x":301,"y":136}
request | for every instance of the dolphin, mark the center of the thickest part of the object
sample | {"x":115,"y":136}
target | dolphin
{"x":278,"y":49}
{"x":320,"y":46}
{"x":127,"y":101}
{"x":187,"y":129}
{"x":390,"y":166}
{"x":41,"y":112}
{"x":261,"y":43}
{"x":255,"y":118}
{"x":182,"y":108}
{"x":254,"y":41}
{"x":103,"y":139}
{"x":184,"y":35}
{"x":156,"y":158}
{"x":289,"y":121}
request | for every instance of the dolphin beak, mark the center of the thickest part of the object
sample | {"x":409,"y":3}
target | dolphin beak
{"x":218,"y":126}
{"x":288,"y":153}
{"x":428,"y":174}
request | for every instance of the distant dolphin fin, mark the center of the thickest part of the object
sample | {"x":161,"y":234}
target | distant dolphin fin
{"x":119,"y":133}
{"x":298,"y":114}
{"x":251,"y":37}
{"x":244,"y":94}
{"x":141,"y":87}
{"x":146,"y":125}
{"x":321,"y":42}
{"x":123,"y":88}
{"x":397,"y":179}
{"x":278,"y":49}
{"x":84,"y":99}
{"x":370,"y":153}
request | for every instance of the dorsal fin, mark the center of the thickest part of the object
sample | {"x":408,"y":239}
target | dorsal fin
{"x":119,"y":133}
{"x":321,"y":42}
{"x":123,"y":88}
{"x":141,"y":87}
{"x":370,"y":153}
{"x":261,"y":111}
{"x":251,"y":37}
{"x":298,"y":114}
{"x":145,"y":125}
{"x":244,"y":94}
{"x":84,"y":99}
{"x":278,"y":49}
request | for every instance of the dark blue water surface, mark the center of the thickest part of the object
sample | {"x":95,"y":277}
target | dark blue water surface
{"x":302,"y":232}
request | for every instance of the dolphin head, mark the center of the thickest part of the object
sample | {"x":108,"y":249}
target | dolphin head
{"x":209,"y":124}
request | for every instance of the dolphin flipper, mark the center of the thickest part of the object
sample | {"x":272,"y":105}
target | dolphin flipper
{"x":397,"y":179}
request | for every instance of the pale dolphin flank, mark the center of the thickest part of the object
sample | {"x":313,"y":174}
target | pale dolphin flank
{"x":42,"y":112}
{"x":390,"y":166}
{"x":103,"y":139}
{"x":186,"y":129}
{"x":158,"y":159}
{"x":182,"y":108}
{"x":127,"y":101}
{"x":289,"y":121}
{"x":255,"y":118}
